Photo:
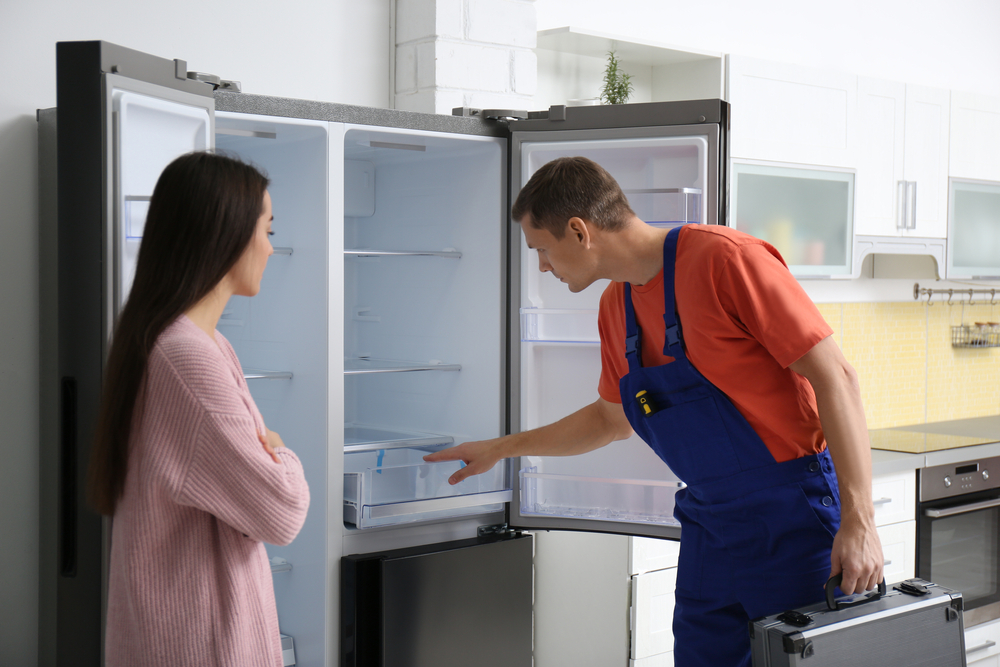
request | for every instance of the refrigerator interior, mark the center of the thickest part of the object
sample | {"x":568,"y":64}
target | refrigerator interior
{"x":282,"y":337}
{"x":149,"y":133}
{"x":664,"y":179}
{"x":423,"y":322}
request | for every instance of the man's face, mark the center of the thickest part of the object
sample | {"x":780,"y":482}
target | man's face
{"x":565,"y":258}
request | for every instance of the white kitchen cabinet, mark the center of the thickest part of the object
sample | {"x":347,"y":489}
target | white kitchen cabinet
{"x":647,"y":554}
{"x":652,"y":613}
{"x":789,"y":113}
{"x":975,"y":137}
{"x":895,"y":497}
{"x":982,"y":645}
{"x":899,"y":550}
{"x":902,"y":179}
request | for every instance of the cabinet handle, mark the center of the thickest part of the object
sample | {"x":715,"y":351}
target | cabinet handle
{"x":887,"y":562}
{"x":881,"y":501}
{"x":901,"y":212}
{"x":911,"y":203}
{"x":981,"y":647}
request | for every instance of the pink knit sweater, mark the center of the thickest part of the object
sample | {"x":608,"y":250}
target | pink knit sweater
{"x":190,"y":583}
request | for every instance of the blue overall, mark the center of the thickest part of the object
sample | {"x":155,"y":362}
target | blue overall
{"x":756,"y":535}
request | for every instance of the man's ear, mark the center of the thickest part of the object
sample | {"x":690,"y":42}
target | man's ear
{"x":580,"y":230}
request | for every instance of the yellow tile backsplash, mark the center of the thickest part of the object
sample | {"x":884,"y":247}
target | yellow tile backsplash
{"x":908,"y":370}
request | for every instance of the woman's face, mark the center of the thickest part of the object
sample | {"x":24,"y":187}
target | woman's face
{"x":249,"y":269}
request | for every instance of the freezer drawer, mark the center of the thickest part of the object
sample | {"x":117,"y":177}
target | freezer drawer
{"x":451,"y":604}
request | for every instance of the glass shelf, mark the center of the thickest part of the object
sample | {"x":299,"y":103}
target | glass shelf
{"x":362,"y":438}
{"x":598,"y":498}
{"x":257,"y":374}
{"x":559,"y":325}
{"x":395,"y":486}
{"x":454,"y":254}
{"x":368,"y":365}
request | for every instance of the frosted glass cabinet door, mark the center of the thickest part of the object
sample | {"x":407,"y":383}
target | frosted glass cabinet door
{"x":807,"y":214}
{"x":974,"y":230}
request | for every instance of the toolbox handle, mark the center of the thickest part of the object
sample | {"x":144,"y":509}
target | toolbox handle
{"x":835,"y":605}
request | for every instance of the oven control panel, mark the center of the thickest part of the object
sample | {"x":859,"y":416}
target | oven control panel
{"x":956,"y":479}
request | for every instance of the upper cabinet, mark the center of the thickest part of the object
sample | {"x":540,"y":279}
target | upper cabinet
{"x":902,"y":171}
{"x":975,"y":137}
{"x":788,"y":113}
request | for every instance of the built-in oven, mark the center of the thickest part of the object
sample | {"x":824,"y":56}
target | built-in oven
{"x":958,"y":520}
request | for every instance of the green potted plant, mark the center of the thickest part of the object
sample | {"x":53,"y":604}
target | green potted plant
{"x":617,"y":84}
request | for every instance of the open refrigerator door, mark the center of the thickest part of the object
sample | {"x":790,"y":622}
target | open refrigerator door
{"x":671,"y":175}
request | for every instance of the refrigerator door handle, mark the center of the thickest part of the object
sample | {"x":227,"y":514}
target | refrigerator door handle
{"x":67,"y":483}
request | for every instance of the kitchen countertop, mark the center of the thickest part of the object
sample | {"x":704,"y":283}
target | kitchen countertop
{"x":906,"y":448}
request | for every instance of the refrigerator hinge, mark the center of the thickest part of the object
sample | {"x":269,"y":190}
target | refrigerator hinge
{"x":490,"y":114}
{"x":500,"y":530}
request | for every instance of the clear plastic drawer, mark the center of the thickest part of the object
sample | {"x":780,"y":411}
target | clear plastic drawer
{"x":599,"y":498}
{"x":385,"y":487}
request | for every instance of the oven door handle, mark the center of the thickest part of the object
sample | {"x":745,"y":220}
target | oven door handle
{"x":961,"y":509}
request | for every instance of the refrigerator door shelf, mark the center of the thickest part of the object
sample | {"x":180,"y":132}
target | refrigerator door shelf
{"x":368,"y":365}
{"x":362,"y":438}
{"x":559,"y":325}
{"x":448,"y":252}
{"x":603,"y":499}
{"x":395,"y":486}
{"x":666,"y":207}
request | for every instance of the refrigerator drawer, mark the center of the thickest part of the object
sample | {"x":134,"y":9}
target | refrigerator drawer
{"x":391,"y":486}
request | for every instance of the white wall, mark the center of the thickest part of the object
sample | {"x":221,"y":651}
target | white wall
{"x":943,"y":43}
{"x":334,"y":50}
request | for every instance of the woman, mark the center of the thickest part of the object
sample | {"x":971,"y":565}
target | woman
{"x":182,"y":460}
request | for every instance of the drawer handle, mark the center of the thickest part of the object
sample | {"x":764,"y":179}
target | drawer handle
{"x":882,"y":501}
{"x":981,"y":647}
{"x":887,"y":562}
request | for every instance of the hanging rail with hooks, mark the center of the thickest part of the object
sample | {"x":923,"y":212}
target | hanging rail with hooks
{"x":919,"y":291}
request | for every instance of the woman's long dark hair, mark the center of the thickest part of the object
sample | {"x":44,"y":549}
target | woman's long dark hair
{"x":201,"y":218}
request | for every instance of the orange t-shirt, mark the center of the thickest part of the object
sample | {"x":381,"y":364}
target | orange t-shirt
{"x":744,"y":319}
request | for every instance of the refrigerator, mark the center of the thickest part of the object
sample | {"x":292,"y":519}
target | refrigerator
{"x":400,"y":313}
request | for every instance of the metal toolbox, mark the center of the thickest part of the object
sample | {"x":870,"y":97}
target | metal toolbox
{"x":915,"y":623}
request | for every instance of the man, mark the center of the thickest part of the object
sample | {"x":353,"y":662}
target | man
{"x":714,"y":355}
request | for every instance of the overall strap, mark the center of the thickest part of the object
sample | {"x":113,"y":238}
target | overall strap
{"x":673,"y":345}
{"x":633,"y":334}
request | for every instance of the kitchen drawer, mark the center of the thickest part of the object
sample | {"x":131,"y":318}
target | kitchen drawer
{"x":899,"y":548}
{"x":659,"y":660}
{"x":982,"y":644}
{"x":991,"y":661}
{"x":895,"y":497}
{"x":647,"y":554}
{"x":652,"y":613}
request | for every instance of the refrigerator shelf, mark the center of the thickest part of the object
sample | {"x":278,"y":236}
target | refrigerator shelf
{"x":258,"y":374}
{"x":362,"y":438}
{"x":368,"y":365}
{"x":395,"y":486}
{"x":453,"y":254}
{"x":598,"y":498}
